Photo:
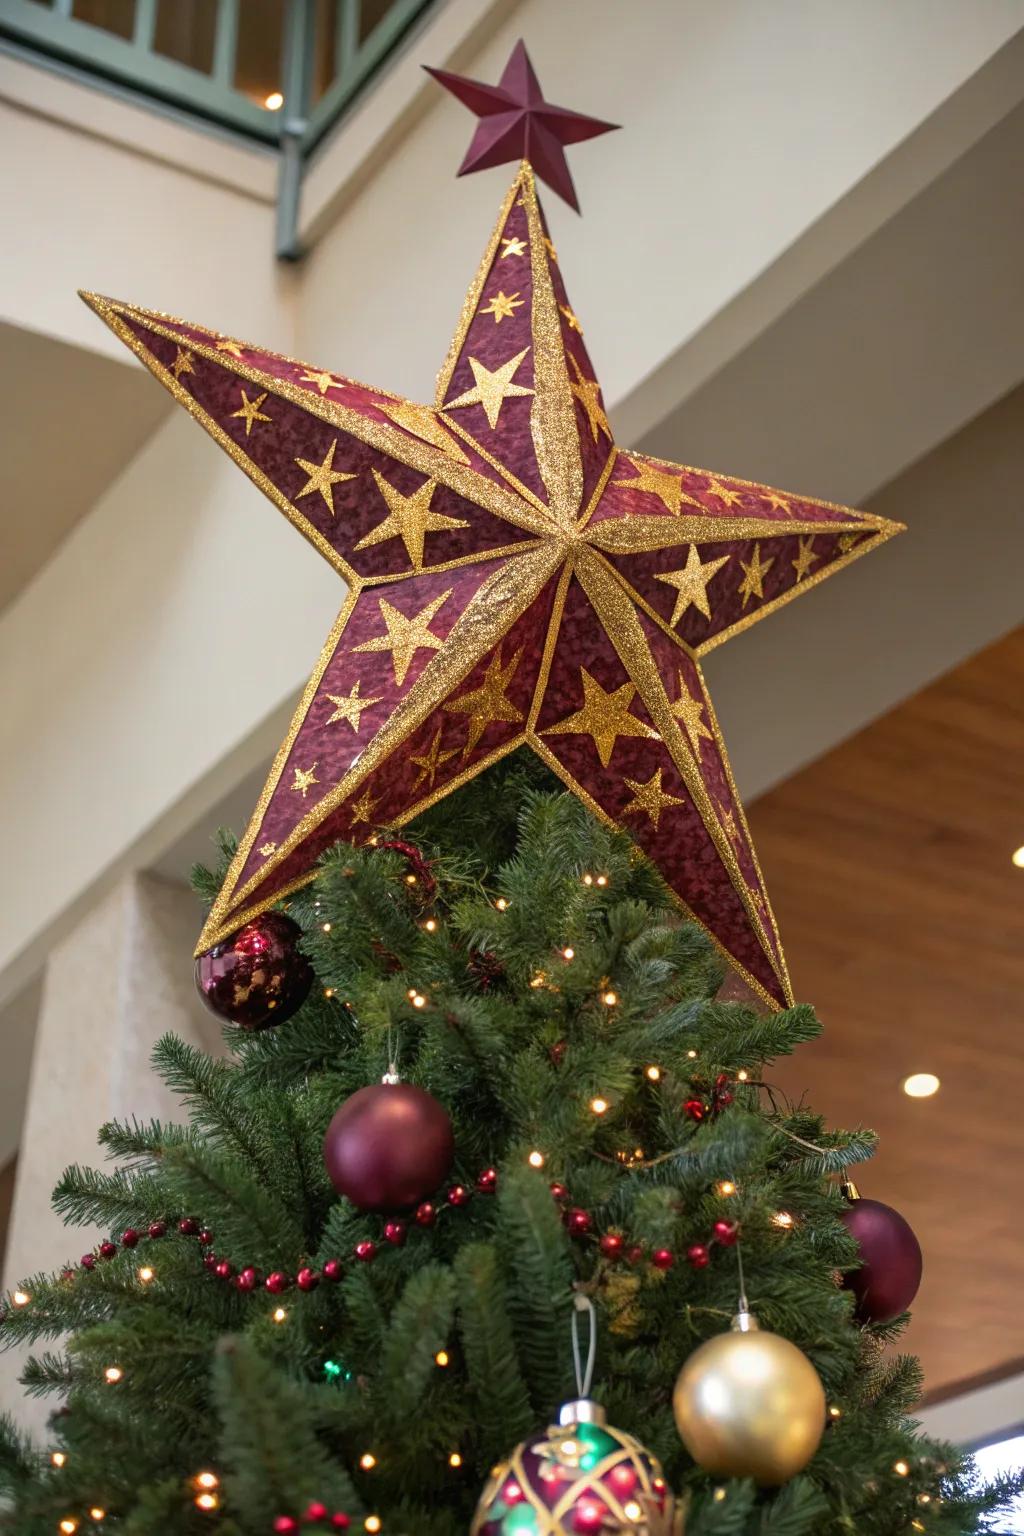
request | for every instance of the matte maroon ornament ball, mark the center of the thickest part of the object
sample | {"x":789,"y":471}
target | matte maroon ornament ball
{"x":257,"y":978}
{"x":388,"y":1147}
{"x":887,"y":1281}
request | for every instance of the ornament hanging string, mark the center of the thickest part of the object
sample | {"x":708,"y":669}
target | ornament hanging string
{"x":584,"y":1374}
{"x":744,"y":1304}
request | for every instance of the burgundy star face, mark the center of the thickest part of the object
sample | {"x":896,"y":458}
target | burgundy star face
{"x":516,"y":123}
{"x":514,"y":580}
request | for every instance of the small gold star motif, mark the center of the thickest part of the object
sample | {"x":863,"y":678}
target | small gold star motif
{"x":587,"y":392}
{"x":231,"y":347}
{"x":182,"y":363}
{"x":503,"y":305}
{"x":513,"y":246}
{"x":846,"y":541}
{"x":691,"y":712}
{"x":363,"y":808}
{"x":266,"y":849}
{"x":773,"y":499}
{"x":649,"y":797}
{"x":305,"y":778}
{"x":430,"y":761}
{"x":488,"y":702}
{"x":691,"y":583}
{"x":405,"y":636}
{"x":250,"y":410}
{"x":323,"y":380}
{"x":492,"y":388}
{"x":421,"y":421}
{"x":805,"y":557}
{"x":604,"y":716}
{"x":349,"y":706}
{"x":409,"y":518}
{"x":322,"y":477}
{"x":570,"y":319}
{"x":659,"y":482}
{"x":729,"y":826}
{"x":724,"y":493}
{"x":754,"y":573}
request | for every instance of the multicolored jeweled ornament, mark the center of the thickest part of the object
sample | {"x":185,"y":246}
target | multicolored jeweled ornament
{"x":514,"y":578}
{"x":750,"y":1404}
{"x":256,"y":978}
{"x":891,"y":1262}
{"x":389,"y":1146}
{"x":579,"y":1476}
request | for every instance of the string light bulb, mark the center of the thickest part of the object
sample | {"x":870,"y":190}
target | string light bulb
{"x":455,"y":1460}
{"x":602,"y":879}
{"x":431,"y":925}
{"x":901,"y":1468}
{"x":113,"y":1374}
{"x":278,"y":1315}
{"x":57,"y":1458}
{"x":97,"y":1514}
{"x":367,"y":1461}
{"x":206,"y":1480}
{"x":501,"y":904}
{"x":419,"y":1001}
{"x":325,"y":927}
{"x":206,"y":1501}
{"x":410,"y":879}
{"x":442,"y":1358}
{"x":742,"y":1076}
{"x":599,"y":1106}
{"x":536,"y":1159}
{"x":783,"y":1219}
{"x":920,"y":1085}
{"x":568,"y":953}
{"x":609,"y":999}
{"x":21,"y":1298}
{"x":834,"y":1411}
{"x":69,"y":1525}
{"x":328,"y":991}
{"x":588,"y":879}
{"x":372,"y":1524}
{"x":146,"y":1274}
{"x":691,"y":1055}
{"x":274,"y":102}
{"x":725,"y":1188}
{"x":654,"y":1073}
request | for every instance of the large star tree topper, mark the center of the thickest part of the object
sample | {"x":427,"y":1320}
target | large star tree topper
{"x":514,"y":580}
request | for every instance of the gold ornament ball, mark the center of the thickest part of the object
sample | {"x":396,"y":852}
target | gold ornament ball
{"x":750,"y":1404}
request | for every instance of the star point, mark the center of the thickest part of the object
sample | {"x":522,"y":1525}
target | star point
{"x":492,"y":388}
{"x":322,"y":477}
{"x":405,"y":636}
{"x":691,"y":583}
{"x":755,"y":570}
{"x":605,"y":716}
{"x":250,"y":411}
{"x":649,"y":798}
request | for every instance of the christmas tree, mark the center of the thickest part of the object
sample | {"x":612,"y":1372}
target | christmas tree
{"x":491,"y":1219}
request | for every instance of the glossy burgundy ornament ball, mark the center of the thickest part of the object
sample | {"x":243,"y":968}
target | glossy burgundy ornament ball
{"x":389,"y":1146}
{"x":890,"y":1272}
{"x":257,"y":978}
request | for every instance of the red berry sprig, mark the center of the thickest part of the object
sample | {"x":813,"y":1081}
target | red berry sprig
{"x":315,"y":1513}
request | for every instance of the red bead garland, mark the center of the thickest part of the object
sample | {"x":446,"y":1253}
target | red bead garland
{"x":315,"y":1513}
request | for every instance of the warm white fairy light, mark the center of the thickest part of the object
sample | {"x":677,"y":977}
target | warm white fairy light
{"x":654,"y":1073}
{"x":328,"y":991}
{"x":536,"y":1159}
{"x":834,"y":1411}
{"x":632,"y":1510}
{"x":1017,"y":858}
{"x":207,"y":1501}
{"x":719,"y":1495}
{"x":588,"y":879}
{"x":206,"y":1480}
{"x":692,"y":1055}
{"x":97,"y":1513}
{"x":113,"y":1374}
{"x":367,"y":1461}
{"x":568,"y":953}
{"x":69,"y":1525}
{"x":602,"y":879}
{"x":442,"y":1358}
{"x":372,"y":1524}
{"x":431,"y":925}
{"x":742,"y":1076}
{"x":274,"y":101}
{"x":901,"y":1468}
{"x":146,"y":1274}
{"x":325,"y":927}
{"x":538,"y":980}
{"x":501,"y":904}
{"x":21,"y":1298}
{"x":609,"y":999}
{"x":920,"y":1085}
{"x":418,"y":1000}
{"x":783,"y":1219}
{"x":57,"y":1458}
{"x":455,"y":1460}
{"x":725,"y":1188}
{"x":278,"y":1315}
{"x":599,"y":1106}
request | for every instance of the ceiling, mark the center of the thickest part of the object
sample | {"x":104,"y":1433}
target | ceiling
{"x":889,"y":866}
{"x":46,"y":386}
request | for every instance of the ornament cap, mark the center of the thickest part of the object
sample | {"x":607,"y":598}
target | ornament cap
{"x":582,"y":1410}
{"x":745,"y":1322}
{"x":850,"y":1190}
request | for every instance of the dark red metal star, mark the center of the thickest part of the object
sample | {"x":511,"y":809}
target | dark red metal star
{"x":516,"y":123}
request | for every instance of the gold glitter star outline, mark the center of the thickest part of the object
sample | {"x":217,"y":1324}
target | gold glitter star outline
{"x":322,"y":477}
{"x":754,"y":571}
{"x":691,"y":583}
{"x":488,"y":702}
{"x":503,"y":306}
{"x":604,"y":716}
{"x":431,"y":760}
{"x":321,"y":378}
{"x":233,"y":348}
{"x":363,"y":809}
{"x":405,"y":636}
{"x":348,"y":420}
{"x":349,"y":706}
{"x":409,"y":519}
{"x":492,"y":388}
{"x":183,"y":363}
{"x":650,"y":797}
{"x":588,"y":393}
{"x":250,"y":411}
{"x":725,"y":493}
{"x":691,"y":712}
